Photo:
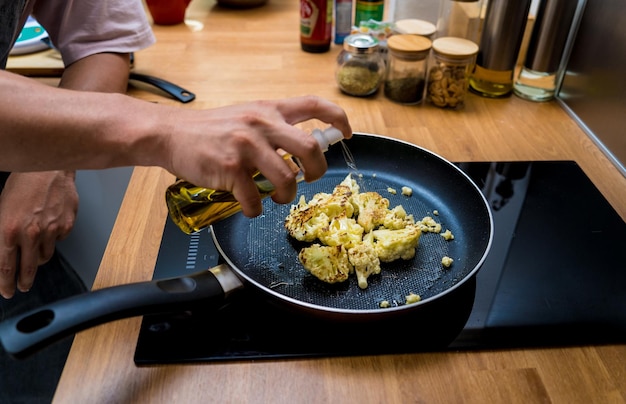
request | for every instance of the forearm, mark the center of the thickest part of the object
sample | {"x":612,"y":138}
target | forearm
{"x":91,"y":130}
{"x":102,"y":72}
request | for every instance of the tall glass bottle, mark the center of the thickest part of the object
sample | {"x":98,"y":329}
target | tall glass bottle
{"x":460,"y":18}
{"x":193,"y":208}
{"x":424,"y":10}
{"x":501,"y":39}
{"x":539,"y":78}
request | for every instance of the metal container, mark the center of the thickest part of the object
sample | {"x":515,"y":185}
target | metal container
{"x":501,"y":38}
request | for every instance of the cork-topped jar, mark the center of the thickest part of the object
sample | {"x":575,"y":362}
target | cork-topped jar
{"x":406,"y":68}
{"x":360,"y":66}
{"x":448,"y":77}
{"x":415,"y":27}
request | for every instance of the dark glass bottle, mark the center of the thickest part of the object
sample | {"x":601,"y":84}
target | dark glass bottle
{"x":316,"y":19}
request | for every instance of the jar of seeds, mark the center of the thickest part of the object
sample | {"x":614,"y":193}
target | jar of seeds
{"x":360,"y":66}
{"x":453,"y":59}
{"x":406,"y":68}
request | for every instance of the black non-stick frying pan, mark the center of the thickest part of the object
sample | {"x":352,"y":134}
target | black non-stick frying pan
{"x":259,"y":254}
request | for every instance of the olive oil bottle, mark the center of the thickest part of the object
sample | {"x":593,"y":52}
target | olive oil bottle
{"x":194,"y":208}
{"x":501,"y":39}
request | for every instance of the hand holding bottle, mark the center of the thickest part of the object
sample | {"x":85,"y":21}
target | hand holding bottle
{"x":229,"y":145}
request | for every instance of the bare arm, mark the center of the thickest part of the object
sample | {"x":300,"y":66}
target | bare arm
{"x":218,"y":148}
{"x":39,"y":208}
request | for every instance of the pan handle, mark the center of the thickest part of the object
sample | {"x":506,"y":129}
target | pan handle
{"x":172,"y":89}
{"x":25,"y":334}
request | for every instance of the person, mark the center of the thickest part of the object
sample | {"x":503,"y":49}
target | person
{"x":100,"y":127}
{"x":87,"y":122}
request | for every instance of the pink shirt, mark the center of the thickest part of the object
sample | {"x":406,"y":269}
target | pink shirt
{"x":79,"y":28}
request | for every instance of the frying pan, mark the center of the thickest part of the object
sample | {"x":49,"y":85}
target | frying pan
{"x":259,"y":254}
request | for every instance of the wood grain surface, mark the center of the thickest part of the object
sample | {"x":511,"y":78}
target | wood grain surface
{"x":230,"y":56}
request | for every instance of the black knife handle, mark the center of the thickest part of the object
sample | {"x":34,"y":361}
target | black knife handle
{"x":172,"y":89}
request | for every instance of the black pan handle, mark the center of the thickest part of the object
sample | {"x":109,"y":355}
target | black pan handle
{"x":25,"y":334}
{"x":172,"y":89}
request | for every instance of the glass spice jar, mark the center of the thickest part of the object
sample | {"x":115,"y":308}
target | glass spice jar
{"x":448,"y":76}
{"x":406,"y":68}
{"x":360,"y":66}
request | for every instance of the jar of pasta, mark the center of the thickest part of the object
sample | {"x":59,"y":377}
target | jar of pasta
{"x":448,"y":76}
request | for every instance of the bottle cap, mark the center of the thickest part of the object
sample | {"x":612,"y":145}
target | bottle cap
{"x":360,"y":43}
{"x":327,"y":137}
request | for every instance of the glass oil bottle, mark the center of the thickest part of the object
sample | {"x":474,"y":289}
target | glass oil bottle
{"x":194,"y":208}
{"x":556,"y":24}
{"x":501,"y":39}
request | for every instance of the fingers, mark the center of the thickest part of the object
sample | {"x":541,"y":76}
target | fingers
{"x":8,"y":264}
{"x":300,"y":109}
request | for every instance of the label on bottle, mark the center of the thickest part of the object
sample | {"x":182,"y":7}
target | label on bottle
{"x":315,"y":19}
{"x":369,"y":10}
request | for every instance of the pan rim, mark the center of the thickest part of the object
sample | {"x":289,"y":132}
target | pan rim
{"x":377,"y":311}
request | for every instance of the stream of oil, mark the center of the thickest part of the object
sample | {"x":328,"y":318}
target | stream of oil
{"x":351,"y":163}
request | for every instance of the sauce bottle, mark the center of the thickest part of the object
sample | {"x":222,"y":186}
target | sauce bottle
{"x":194,"y":208}
{"x":366,"y":10}
{"x":316,"y":19}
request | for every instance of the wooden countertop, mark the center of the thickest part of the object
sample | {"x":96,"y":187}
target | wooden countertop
{"x":231,"y":56}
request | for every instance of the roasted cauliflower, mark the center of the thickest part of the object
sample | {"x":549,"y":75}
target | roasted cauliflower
{"x":365,"y":261}
{"x":343,"y":231}
{"x":357,"y":232}
{"x":371,"y":209}
{"x":327,"y":263}
{"x":391,"y":245}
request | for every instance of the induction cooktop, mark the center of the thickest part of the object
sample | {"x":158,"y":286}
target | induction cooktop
{"x":555,"y":276}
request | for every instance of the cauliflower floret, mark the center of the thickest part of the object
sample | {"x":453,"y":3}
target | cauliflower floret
{"x":342,"y":230}
{"x":391,"y":245}
{"x":365,"y":261}
{"x":428,"y":224}
{"x":447,"y":235}
{"x":306,"y":220}
{"x":412,"y":298}
{"x":397,"y":218}
{"x":328,"y":264}
{"x":339,"y":202}
{"x":371,"y":208}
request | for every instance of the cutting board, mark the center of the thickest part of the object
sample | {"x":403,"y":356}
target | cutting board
{"x":39,"y":64}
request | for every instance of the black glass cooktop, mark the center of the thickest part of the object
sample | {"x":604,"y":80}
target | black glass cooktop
{"x":555,"y":276}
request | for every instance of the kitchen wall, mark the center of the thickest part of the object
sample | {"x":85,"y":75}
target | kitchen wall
{"x":594,"y":86}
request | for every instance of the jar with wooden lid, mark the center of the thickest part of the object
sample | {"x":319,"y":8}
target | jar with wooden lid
{"x":414,"y":26}
{"x":448,"y":76}
{"x":406,"y":68}
{"x":360,"y":66}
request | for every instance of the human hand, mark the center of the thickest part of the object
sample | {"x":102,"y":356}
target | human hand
{"x":222,"y":148}
{"x":36,"y":210}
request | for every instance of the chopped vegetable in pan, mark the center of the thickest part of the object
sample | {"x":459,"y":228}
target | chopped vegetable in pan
{"x":353,"y":233}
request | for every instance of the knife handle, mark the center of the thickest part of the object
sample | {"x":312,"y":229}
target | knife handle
{"x":172,"y":89}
